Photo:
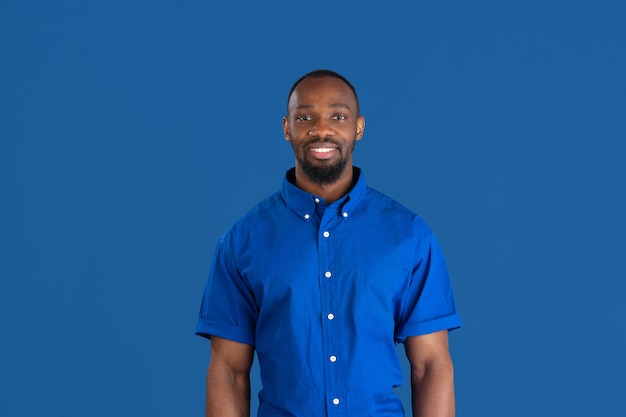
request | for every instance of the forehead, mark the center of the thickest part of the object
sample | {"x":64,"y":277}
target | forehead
{"x":322,"y":92}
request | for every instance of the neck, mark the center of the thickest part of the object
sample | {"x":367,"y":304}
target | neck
{"x":329,"y":192}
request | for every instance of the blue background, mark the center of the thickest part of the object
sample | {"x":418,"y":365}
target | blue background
{"x":133,"y":133}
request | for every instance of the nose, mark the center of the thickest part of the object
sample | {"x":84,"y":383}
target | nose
{"x":321,"y":128}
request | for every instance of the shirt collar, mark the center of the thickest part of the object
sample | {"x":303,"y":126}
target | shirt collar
{"x":303,"y":202}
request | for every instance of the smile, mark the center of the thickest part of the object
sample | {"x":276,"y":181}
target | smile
{"x":322,"y":150}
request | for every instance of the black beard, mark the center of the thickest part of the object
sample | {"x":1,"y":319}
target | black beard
{"x":324,"y":174}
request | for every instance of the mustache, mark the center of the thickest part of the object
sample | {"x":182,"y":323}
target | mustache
{"x":325,"y":139}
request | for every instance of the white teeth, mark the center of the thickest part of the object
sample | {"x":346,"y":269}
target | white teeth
{"x":322,"y":149}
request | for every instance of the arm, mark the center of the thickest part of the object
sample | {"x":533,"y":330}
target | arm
{"x":432,"y":375}
{"x":228,"y":379}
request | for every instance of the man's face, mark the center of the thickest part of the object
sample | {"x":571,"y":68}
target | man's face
{"x":323,"y":125}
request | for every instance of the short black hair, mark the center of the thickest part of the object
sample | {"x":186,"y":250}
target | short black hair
{"x":321,"y":73}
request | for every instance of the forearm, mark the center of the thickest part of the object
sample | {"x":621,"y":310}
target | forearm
{"x":228,"y":393}
{"x":433,"y":390}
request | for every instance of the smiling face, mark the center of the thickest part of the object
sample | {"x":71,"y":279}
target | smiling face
{"x":323,"y":124}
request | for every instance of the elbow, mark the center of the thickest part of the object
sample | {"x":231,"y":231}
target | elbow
{"x":440,"y":368}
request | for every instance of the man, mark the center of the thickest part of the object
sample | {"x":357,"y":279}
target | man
{"x":322,"y":279}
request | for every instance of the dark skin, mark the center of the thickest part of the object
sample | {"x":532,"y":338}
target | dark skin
{"x":323,"y":108}
{"x":228,"y":379}
{"x":323,"y":123}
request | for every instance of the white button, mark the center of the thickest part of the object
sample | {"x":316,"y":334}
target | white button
{"x":307,"y":216}
{"x":317,"y":200}
{"x":326,"y":234}
{"x":345,"y":214}
{"x":333,"y":358}
{"x":328,"y":274}
{"x":336,"y":401}
{"x":330,"y":316}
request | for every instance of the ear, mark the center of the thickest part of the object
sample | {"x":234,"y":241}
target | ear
{"x":286,"y":129}
{"x":360,"y":127}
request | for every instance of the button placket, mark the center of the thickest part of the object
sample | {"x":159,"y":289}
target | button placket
{"x":330,"y":286}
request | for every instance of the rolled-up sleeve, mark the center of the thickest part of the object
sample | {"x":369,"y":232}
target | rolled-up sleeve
{"x":429,"y":305}
{"x":228,"y":307}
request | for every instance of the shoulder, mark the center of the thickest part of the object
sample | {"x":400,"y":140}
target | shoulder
{"x":256,"y":217}
{"x":391,"y":208}
{"x":393,"y":218}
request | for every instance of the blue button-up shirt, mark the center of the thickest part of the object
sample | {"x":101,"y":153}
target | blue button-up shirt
{"x":324,"y":292}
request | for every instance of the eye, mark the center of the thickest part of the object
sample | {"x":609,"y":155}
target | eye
{"x":303,"y":118}
{"x":339,"y":117}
